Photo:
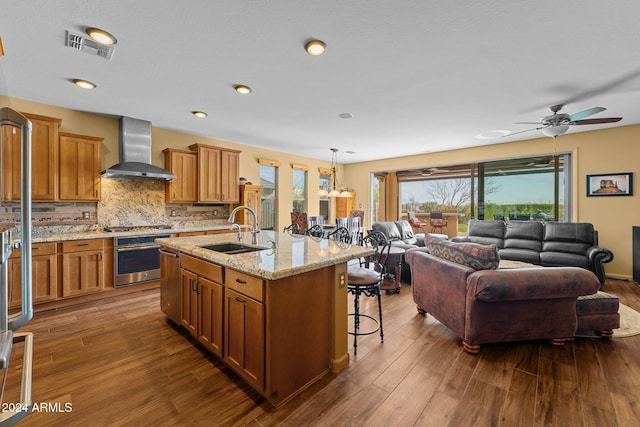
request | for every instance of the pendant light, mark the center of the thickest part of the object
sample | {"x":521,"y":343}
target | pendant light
{"x":334,"y":191}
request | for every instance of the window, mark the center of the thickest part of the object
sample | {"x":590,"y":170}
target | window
{"x":530,"y":188}
{"x":325,"y":184}
{"x":299,"y":190}
{"x":268,"y":180}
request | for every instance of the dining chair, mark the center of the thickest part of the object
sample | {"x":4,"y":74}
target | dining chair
{"x":300,"y":218}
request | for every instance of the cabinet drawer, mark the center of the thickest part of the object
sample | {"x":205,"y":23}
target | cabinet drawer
{"x":245,"y":284}
{"x":37,"y":249}
{"x":201,"y":267}
{"x":82,"y":245}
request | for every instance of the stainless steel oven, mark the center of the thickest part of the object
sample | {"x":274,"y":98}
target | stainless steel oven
{"x":136,"y":259}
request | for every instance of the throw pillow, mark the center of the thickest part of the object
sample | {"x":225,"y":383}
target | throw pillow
{"x":473,"y":255}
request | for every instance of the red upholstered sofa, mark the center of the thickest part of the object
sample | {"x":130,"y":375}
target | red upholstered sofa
{"x":490,"y":306}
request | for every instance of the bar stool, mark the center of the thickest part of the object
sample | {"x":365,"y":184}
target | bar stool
{"x":365,"y":280}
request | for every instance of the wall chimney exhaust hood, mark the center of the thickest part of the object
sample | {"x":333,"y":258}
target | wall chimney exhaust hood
{"x":135,"y":153}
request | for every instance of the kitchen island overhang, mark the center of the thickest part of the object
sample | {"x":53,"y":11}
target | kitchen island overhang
{"x":282,"y":313}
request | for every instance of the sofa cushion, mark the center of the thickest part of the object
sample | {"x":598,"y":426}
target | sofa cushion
{"x":473,"y":255}
{"x":557,"y":259}
{"x":388,"y":228}
{"x":406,"y":232}
{"x":571,"y":237}
{"x":524,"y":235}
{"x":487,"y":232}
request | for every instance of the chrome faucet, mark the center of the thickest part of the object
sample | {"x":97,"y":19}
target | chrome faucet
{"x":237,"y":227}
{"x":254,"y":229}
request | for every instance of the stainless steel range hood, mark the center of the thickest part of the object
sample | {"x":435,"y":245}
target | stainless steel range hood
{"x":135,"y":153}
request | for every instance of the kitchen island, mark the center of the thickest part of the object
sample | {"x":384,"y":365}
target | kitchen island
{"x":277,"y":317}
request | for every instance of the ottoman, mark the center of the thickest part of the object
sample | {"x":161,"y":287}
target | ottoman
{"x":598,"y":313}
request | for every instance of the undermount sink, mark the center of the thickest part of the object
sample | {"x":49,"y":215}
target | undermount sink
{"x":232,"y":248}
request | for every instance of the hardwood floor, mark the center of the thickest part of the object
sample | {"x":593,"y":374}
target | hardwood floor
{"x":118,"y":361}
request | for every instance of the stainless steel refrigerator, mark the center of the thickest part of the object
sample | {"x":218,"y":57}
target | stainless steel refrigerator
{"x":14,"y":127}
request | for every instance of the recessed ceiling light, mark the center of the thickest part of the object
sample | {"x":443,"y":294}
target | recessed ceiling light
{"x":242,"y":89}
{"x":315,"y":47}
{"x":101,"y":36}
{"x":345,"y":115}
{"x":84,"y":84}
{"x":199,"y":114}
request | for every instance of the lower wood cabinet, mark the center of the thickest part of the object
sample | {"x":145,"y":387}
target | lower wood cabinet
{"x":44,"y":274}
{"x":82,"y":267}
{"x":244,"y":344}
{"x":202,"y":302}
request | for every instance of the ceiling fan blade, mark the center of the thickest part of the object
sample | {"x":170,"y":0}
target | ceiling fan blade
{"x":586,"y":113}
{"x":523,"y":131}
{"x":596,"y":121}
{"x":527,"y":123}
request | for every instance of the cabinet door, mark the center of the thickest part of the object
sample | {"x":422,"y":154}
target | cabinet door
{"x":344,"y":205}
{"x":210,"y":305}
{"x":44,"y":157}
{"x":184,"y":166}
{"x":79,"y":167}
{"x":82,"y":272}
{"x":244,"y":337}
{"x":229,"y":175}
{"x":209,"y":189}
{"x":250,"y":195}
{"x":44,"y":276}
{"x":189,"y":301}
{"x":11,"y":165}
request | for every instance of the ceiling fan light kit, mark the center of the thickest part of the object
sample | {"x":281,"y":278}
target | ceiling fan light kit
{"x":558,"y":123}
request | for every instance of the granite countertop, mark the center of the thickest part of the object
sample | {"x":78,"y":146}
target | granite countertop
{"x":101,"y":234}
{"x":294,"y":254}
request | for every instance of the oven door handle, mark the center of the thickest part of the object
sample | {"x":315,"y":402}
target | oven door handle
{"x":137,"y":248}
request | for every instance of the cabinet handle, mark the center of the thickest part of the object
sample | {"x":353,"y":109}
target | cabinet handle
{"x":240,"y":300}
{"x":191,"y":282}
{"x":242,"y":282}
{"x":96,"y":193}
{"x":82,"y":244}
{"x":100,"y":256}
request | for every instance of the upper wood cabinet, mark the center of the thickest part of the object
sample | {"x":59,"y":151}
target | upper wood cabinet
{"x":44,"y":159}
{"x":218,"y":174}
{"x":79,"y":166}
{"x":184,"y":165}
{"x":344,"y":205}
{"x":250,"y":195}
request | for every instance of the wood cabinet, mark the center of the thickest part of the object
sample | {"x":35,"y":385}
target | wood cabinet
{"x":44,"y":274}
{"x":184,"y":165}
{"x":202,"y":301}
{"x":244,"y":337}
{"x":344,"y":205}
{"x":79,"y":166}
{"x":82,"y":267}
{"x":218,"y":174}
{"x":44,"y":159}
{"x":250,"y":195}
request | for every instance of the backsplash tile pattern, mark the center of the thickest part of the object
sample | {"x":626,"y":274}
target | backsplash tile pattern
{"x":124,"y":202}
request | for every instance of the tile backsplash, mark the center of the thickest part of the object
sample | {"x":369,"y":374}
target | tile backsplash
{"x":124,"y":202}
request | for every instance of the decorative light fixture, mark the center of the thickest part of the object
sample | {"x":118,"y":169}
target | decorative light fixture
{"x":199,"y":114}
{"x":84,"y":84}
{"x":334,"y":191}
{"x":554,"y":131}
{"x":101,"y":36}
{"x":242,"y":89}
{"x":315,"y":47}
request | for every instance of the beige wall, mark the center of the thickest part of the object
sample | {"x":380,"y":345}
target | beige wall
{"x":599,"y":151}
{"x":595,"y":152}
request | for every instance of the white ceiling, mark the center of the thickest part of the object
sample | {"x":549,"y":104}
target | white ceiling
{"x":417,"y":75}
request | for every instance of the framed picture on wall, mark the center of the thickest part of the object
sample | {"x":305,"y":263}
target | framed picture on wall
{"x":610,"y":184}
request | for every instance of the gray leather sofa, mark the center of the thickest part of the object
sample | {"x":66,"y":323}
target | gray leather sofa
{"x":400,"y":233}
{"x":550,"y":244}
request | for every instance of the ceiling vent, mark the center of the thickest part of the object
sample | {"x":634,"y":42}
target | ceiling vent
{"x":87,"y":45}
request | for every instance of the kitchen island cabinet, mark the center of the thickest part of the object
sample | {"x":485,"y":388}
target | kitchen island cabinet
{"x":285,"y":310}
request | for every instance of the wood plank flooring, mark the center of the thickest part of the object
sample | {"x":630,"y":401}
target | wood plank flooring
{"x":119,"y":362}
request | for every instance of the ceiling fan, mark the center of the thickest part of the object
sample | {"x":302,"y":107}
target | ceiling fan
{"x":431,"y":171}
{"x":558,"y":123}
